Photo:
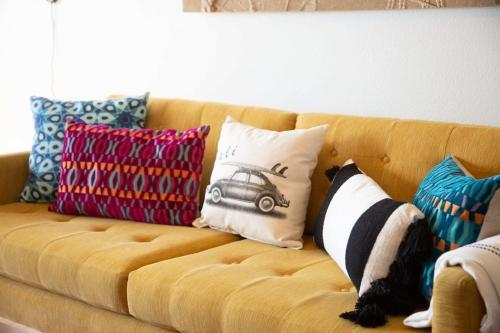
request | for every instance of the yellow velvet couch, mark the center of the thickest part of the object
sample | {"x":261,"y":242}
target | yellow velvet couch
{"x":79,"y":274}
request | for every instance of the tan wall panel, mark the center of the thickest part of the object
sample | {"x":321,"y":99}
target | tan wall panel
{"x":324,"y":5}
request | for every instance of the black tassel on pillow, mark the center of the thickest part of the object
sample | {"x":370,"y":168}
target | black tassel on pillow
{"x":399,"y":292}
{"x":330,"y":173}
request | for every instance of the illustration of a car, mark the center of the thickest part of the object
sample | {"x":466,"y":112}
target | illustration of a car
{"x":249,"y":183}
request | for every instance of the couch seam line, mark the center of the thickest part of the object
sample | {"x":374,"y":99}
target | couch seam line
{"x":243,"y":113}
{"x":386,"y":146}
{"x":196,"y":270}
{"x":45,"y":248}
{"x":295,"y":305}
{"x":200,"y":269}
{"x":255,"y":282}
{"x":448,"y":141}
{"x":7,"y":234}
{"x":202,"y":112}
{"x":318,"y":261}
{"x":232,"y":294}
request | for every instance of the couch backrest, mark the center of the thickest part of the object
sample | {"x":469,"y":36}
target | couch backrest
{"x":398,"y":153}
{"x":181,"y":114}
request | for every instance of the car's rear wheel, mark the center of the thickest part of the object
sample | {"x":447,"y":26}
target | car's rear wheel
{"x":216,"y":195}
{"x":265,"y":204}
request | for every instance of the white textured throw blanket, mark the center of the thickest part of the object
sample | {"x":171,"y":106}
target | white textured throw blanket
{"x":482,"y":261}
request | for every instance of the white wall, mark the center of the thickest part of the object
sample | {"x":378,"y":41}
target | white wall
{"x":437,"y":65}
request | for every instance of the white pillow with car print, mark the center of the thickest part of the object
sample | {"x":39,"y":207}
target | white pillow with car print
{"x":261,"y":183}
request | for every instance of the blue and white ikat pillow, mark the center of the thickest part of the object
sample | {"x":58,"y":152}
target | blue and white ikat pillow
{"x":50,"y":117}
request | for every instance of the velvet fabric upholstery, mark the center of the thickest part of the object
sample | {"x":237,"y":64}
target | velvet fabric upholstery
{"x":52,"y":313}
{"x":13,"y":174}
{"x":398,"y":154}
{"x":86,"y":258}
{"x":457,"y":304}
{"x":303,"y":291}
{"x":224,"y":290}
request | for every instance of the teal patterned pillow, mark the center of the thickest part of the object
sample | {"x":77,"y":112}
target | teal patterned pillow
{"x":455,"y":204}
{"x":50,"y":117}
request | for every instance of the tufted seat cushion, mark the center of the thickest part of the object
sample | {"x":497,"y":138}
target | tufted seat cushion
{"x":246,"y":286}
{"x":88,"y":259}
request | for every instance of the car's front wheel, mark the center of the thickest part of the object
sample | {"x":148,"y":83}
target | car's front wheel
{"x":265,"y":204}
{"x":216,"y":195}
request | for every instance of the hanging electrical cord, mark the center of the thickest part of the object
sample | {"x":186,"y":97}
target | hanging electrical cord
{"x":53,"y":47}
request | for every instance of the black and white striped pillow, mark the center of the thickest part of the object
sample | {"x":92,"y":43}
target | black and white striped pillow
{"x":380,"y":243}
{"x":363,"y":230}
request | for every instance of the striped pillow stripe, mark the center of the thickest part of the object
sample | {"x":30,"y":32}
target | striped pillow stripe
{"x":363,"y":239}
{"x":340,"y":178}
{"x":358,"y":218}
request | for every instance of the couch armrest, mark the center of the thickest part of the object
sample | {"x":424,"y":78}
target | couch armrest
{"x":457,"y":304}
{"x":13,"y":175}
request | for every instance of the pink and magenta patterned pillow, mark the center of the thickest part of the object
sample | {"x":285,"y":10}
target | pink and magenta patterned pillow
{"x":131,"y":174}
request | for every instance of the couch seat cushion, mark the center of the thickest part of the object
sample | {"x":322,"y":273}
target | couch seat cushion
{"x":247,"y":286}
{"x":86,"y":258}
